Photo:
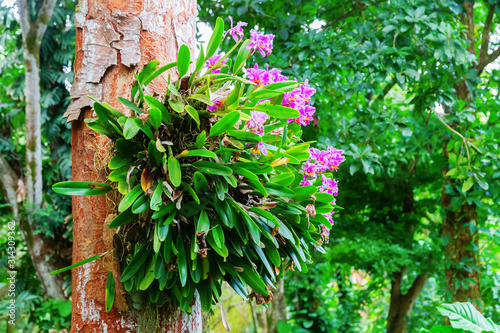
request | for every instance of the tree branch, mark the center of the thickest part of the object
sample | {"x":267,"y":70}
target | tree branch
{"x":43,"y":18}
{"x":485,"y":39}
{"x":384,"y":92}
{"x":417,"y":286}
{"x":488,"y":60}
{"x":24,"y":17}
{"x":484,"y":58}
{"x":8,"y":180}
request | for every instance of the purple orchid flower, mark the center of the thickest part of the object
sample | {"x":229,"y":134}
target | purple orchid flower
{"x":210,"y":63}
{"x":261,"y":42}
{"x":236,"y":31}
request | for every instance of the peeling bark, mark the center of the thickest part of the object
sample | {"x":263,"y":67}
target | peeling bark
{"x":114,"y":40}
{"x":121,"y":37}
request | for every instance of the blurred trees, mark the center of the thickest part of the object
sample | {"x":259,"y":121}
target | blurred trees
{"x":401,"y":88}
{"x":48,"y":227}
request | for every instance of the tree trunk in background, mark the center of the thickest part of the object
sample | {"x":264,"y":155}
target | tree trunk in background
{"x":39,"y":249}
{"x":276,"y":311}
{"x":402,"y":304}
{"x":115,"y":39}
{"x":460,"y":248}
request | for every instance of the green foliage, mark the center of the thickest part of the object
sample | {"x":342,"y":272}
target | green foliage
{"x":35,"y":312}
{"x":464,"y":318}
{"x":203,"y":209}
{"x":381,"y":69}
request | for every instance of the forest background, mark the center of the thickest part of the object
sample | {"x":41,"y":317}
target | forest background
{"x":408,"y":89}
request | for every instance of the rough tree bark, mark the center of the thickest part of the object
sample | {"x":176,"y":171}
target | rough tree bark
{"x":33,"y":30}
{"x":114,"y":39}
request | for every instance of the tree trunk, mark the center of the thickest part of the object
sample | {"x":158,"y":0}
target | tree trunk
{"x":39,"y":249}
{"x":277,"y":308}
{"x":456,"y":223}
{"x":115,"y":39}
{"x":402,"y":304}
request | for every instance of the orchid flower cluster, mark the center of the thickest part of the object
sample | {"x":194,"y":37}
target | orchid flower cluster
{"x":321,"y":161}
{"x":298,"y":99}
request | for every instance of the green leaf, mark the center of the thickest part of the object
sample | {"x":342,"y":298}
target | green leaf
{"x":156,"y":200}
{"x":252,"y":278}
{"x":122,"y":218}
{"x":202,"y":98}
{"x":467,"y":184}
{"x":256,"y":168}
{"x":183,"y":60}
{"x":213,"y":168}
{"x":254,"y":180}
{"x":78,"y":264}
{"x":119,"y":161}
{"x":109,"y":296}
{"x":174,"y":171}
{"x":279,"y":190}
{"x":304,"y":192}
{"x":263,"y":94}
{"x":155,"y":117}
{"x":201,"y":59}
{"x":160,"y":71}
{"x":130,"y":198}
{"x":164,"y":210}
{"x":283,"y":86}
{"x":138,"y":259}
{"x":81,"y":188}
{"x":191,"y":192}
{"x":131,"y":128}
{"x":154,"y":103}
{"x":200,"y":139}
{"x":216,"y":38}
{"x":198,"y":152}
{"x":177,"y":106}
{"x":193,"y":113}
{"x":278,"y":111}
{"x":200,"y":182}
{"x":241,"y":57}
{"x":140,"y":205}
{"x":284,"y":179}
{"x":442,"y":329}
{"x":218,"y":247}
{"x":465,"y":316}
{"x":130,"y":105}
{"x":182,"y":260}
{"x":203,"y":222}
{"x":483,"y":184}
{"x":245,"y":136}
{"x":324,"y":197}
{"x":173,"y":90}
{"x":225,"y":123}
{"x":266,"y":214}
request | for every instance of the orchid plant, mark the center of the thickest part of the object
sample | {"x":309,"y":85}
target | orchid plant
{"x":217,"y":184}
